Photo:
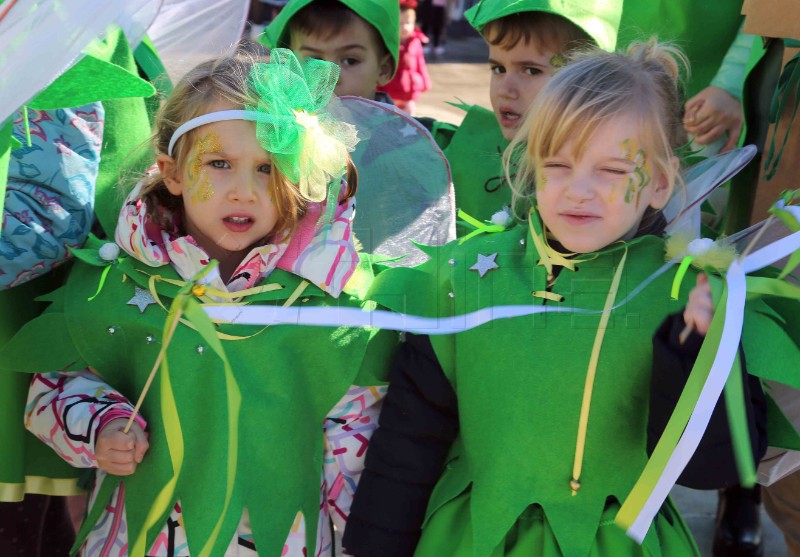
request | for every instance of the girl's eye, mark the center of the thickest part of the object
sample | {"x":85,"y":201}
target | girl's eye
{"x":531,"y":71}
{"x":265,"y":168}
{"x":555,"y":165}
{"x":497,"y":69}
{"x":219,"y":164}
{"x":615,"y":171}
{"x":349,"y":61}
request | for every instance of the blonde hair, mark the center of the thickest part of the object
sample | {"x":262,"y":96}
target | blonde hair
{"x":223,"y":79}
{"x":593,"y":88}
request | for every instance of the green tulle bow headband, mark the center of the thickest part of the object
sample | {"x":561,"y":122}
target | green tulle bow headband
{"x":307,"y":144}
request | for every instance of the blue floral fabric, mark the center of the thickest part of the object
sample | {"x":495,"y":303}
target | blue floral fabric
{"x":49,"y":202}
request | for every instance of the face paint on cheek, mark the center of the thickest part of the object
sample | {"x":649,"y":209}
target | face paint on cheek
{"x":558,"y":60}
{"x":199,"y":184}
{"x":640,"y":177}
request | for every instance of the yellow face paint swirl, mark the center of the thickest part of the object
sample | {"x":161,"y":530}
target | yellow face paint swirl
{"x":640,"y":177}
{"x":199,"y":186}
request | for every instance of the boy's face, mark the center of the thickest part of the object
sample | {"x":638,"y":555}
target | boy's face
{"x":518,"y":74}
{"x":354,"y":50}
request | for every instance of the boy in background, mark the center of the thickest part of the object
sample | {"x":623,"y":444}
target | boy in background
{"x":361,"y":36}
{"x":528,"y":41}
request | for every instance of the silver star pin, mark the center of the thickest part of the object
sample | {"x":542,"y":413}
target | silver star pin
{"x":141,"y":299}
{"x":485,"y":264}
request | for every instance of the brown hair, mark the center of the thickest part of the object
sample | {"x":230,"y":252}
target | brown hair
{"x":222,"y":79}
{"x":543,"y":29}
{"x":326,"y":19}
{"x":644,"y":82}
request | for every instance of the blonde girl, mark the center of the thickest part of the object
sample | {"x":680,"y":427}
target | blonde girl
{"x":522,"y":437}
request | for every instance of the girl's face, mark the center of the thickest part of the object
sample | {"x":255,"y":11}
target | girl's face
{"x":228,"y":206}
{"x":590,"y":202}
{"x":408,"y":19}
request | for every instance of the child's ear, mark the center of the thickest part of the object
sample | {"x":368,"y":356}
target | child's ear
{"x":663,"y":190}
{"x":169,"y":172}
{"x":386,"y":67}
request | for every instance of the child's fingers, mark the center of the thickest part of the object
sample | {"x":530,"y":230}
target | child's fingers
{"x":141,"y":444}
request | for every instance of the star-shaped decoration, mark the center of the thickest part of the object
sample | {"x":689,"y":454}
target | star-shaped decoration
{"x":408,"y":130}
{"x":141,"y":299}
{"x":485,"y":264}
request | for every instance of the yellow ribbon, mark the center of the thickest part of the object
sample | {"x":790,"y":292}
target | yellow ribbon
{"x":583,"y":421}
{"x":548,"y":257}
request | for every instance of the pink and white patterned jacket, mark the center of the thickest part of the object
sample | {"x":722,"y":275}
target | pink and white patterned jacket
{"x":66,"y":410}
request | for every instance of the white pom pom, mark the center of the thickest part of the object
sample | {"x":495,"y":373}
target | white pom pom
{"x":109,"y":251}
{"x":501,"y":218}
{"x":699,"y":246}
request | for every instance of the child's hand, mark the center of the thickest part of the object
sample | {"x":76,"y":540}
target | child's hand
{"x":117,"y":452}
{"x":700,"y":308}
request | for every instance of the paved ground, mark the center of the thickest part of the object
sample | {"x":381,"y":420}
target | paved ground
{"x":462,"y":73}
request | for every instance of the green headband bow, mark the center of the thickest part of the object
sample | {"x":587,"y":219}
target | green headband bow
{"x":308,"y":145}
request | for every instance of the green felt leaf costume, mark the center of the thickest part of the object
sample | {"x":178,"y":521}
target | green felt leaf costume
{"x":106,"y":73}
{"x":520,"y":382}
{"x":383,"y":15}
{"x":475,"y":148}
{"x":287,"y":377}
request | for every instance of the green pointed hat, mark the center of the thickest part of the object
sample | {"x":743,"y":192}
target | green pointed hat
{"x":598,"y":18}
{"x":383,"y":15}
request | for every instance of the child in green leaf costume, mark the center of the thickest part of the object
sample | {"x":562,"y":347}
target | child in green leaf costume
{"x":526,"y":434}
{"x":249,"y":442}
{"x":528,"y":41}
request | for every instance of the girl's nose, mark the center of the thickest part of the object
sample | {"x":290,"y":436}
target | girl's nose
{"x":244,"y":190}
{"x":580,"y":188}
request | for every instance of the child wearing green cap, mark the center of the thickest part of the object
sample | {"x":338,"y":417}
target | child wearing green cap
{"x":361,"y":36}
{"x":527,"y":41}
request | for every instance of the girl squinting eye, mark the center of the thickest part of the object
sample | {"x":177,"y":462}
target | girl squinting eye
{"x":219,"y":164}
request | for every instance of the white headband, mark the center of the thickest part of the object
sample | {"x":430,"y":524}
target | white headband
{"x":212,"y":117}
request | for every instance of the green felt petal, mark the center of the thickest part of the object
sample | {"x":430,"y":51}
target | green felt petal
{"x":60,"y":354}
{"x":90,"y":80}
{"x":782,"y":432}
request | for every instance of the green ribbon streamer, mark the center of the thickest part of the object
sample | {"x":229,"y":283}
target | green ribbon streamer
{"x":737,"y":420}
{"x":27,"y":126}
{"x":788,"y":89}
{"x":679,"y":274}
{"x":687,"y":402}
{"x":102,"y":282}
{"x":479,"y":226}
{"x":185,"y":304}
{"x":5,"y":158}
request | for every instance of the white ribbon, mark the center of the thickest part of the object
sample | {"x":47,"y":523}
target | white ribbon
{"x":720,"y":369}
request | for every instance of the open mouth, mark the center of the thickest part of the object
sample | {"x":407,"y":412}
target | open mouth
{"x":509,"y":118}
{"x":238,"y":223}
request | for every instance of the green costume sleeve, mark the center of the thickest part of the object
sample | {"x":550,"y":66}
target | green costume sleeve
{"x":733,"y":69}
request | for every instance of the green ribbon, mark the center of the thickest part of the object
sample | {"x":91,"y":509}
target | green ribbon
{"x":788,"y":90}
{"x":5,"y":158}
{"x":679,"y":274}
{"x":791,"y":222}
{"x":737,"y":421}
{"x":480,"y":227}
{"x":655,"y":467}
